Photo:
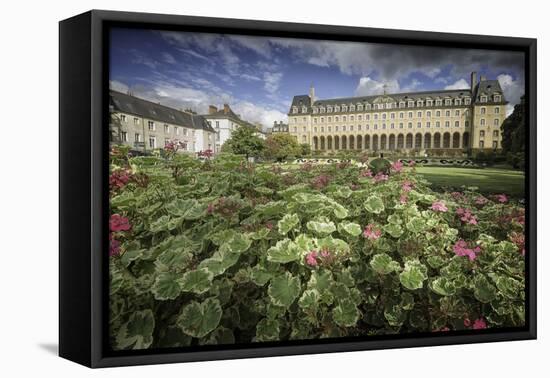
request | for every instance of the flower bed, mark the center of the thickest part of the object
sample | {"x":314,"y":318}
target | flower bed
{"x":220,"y":251}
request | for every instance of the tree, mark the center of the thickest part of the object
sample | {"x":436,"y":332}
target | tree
{"x":513,"y":135}
{"x":281,"y":146}
{"x":244,"y":141}
{"x":305,"y":149}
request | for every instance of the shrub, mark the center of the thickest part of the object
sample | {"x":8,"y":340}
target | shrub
{"x":222,"y":252}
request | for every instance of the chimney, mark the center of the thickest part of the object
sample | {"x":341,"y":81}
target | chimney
{"x":274,"y":123}
{"x":482,"y":78}
{"x":312,"y":93}
{"x":212,"y":109}
{"x":225,"y":108}
{"x":473,"y":81}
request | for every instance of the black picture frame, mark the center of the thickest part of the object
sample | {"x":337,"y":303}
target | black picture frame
{"x":83,"y":197}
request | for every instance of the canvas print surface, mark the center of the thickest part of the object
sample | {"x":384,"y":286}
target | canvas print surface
{"x":283,"y":190}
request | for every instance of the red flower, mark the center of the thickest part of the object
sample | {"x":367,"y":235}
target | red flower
{"x":114,"y":246}
{"x":480,"y":324}
{"x":371,"y":232}
{"x":119,"y":223}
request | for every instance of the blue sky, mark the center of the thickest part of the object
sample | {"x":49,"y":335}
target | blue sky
{"x":258,"y":76}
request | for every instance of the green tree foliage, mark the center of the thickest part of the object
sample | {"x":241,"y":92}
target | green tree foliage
{"x":243,"y":141}
{"x":513,"y":134}
{"x":281,"y":146}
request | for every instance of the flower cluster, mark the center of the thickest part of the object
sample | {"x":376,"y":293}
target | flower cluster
{"x":381,"y":177}
{"x":478,"y":323}
{"x":372,"y":232}
{"x":314,"y":258}
{"x":519,"y":240}
{"x":502,"y":198}
{"x":119,"y":178}
{"x":117,"y":223}
{"x":481,"y":201}
{"x":320,"y":181}
{"x":366,"y":173}
{"x":466,"y":216}
{"x":461,"y":248}
{"x":397,"y":166}
{"x":206,"y":153}
{"x":439,"y":206}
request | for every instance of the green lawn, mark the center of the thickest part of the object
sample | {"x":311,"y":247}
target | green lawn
{"x":488,"y":180}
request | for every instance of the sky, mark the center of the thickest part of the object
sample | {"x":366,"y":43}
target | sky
{"x":258,"y":76}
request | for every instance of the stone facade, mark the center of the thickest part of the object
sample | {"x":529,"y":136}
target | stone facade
{"x":447,"y":119}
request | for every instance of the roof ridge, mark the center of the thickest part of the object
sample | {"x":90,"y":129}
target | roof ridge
{"x":394,"y":94}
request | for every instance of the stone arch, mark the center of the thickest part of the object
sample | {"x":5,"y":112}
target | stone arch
{"x":351,"y":142}
{"x":391,"y":143}
{"x":322,"y":144}
{"x":375,"y":142}
{"x":344,"y":142}
{"x":367,"y":142}
{"x":437,"y":140}
{"x":447,"y":140}
{"x":418,"y":141}
{"x":329,"y":142}
{"x":409,"y":141}
{"x":456,"y":139}
{"x":359,"y":142}
{"x":336,"y":142}
{"x":383,"y":142}
{"x":427,"y":140}
{"x":400,"y":141}
{"x":315,"y":143}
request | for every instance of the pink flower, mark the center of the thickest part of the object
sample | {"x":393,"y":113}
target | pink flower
{"x":466,"y":216}
{"x":311,"y":258}
{"x":480,"y":324}
{"x":403,"y":199}
{"x":371,"y":232}
{"x":119,"y":223}
{"x":461,"y":248}
{"x":502,"y":198}
{"x":397,"y":166}
{"x":380,"y":177}
{"x":467,"y":322}
{"x":366,"y":173}
{"x":481,"y":200}
{"x":210,"y":208}
{"x":269,"y":225}
{"x":407,"y":186}
{"x":412,"y":163}
{"x":114,"y":246}
{"x":320,"y":181}
{"x":325,"y":254}
{"x":439,"y":206}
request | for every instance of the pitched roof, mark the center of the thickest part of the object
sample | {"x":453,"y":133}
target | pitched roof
{"x":488,"y":88}
{"x":223,"y":113}
{"x":129,"y":104}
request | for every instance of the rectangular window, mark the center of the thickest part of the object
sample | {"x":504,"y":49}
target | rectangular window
{"x":410,"y":125}
{"x":152,"y":141}
{"x":428,"y":124}
{"x":151,"y":125}
{"x":166,"y":128}
{"x":123,"y":117}
{"x":137,"y":137}
{"x":457,"y":123}
{"x":401,"y":115}
{"x":419,"y":125}
{"x":438,"y":113}
{"x":447,"y":124}
{"x":124,"y":136}
{"x":419,"y":114}
{"x":136,"y":121}
{"x":495,"y":133}
{"x":496,"y":122}
{"x":410,"y":114}
{"x":457,"y":113}
{"x":495,"y":144}
{"x":401,"y":125}
{"x":497,"y":110}
{"x":447,"y":113}
{"x":428,"y":114}
{"x":481,"y":144}
{"x":482,"y":122}
{"x":483,"y":110}
{"x":482,"y":133}
{"x":437,"y":124}
{"x":392,"y":115}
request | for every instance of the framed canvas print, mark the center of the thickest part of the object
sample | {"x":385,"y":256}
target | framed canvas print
{"x":234,"y":188}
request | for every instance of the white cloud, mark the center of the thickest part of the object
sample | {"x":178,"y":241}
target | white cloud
{"x":368,"y":86}
{"x":118,"y":86}
{"x":459,"y":84}
{"x":513,"y":90}
{"x":168,"y":58}
{"x":272,"y":81}
{"x":258,"y":114}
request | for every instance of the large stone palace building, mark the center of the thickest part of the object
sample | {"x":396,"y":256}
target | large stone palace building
{"x":447,"y":119}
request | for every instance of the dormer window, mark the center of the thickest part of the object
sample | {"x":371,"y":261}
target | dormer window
{"x":467,"y":101}
{"x":352,"y":108}
{"x":368,"y":107}
{"x":437,"y":102}
{"x":344,"y":108}
{"x":429,"y":102}
{"x":483,"y":98}
{"x":304,"y":109}
{"x":388,"y":105}
{"x":497,"y":98}
{"x":337,"y":108}
{"x":447,"y":102}
{"x":401,"y":104}
{"x":419,"y":103}
{"x":457,"y":101}
{"x":294,"y":109}
{"x":359,"y":107}
{"x":315,"y":110}
{"x":411,"y":104}
{"x":322,"y":109}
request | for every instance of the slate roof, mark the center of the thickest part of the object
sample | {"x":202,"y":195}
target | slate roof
{"x":128,"y":104}
{"x":488,"y":87}
{"x":222,"y":114}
